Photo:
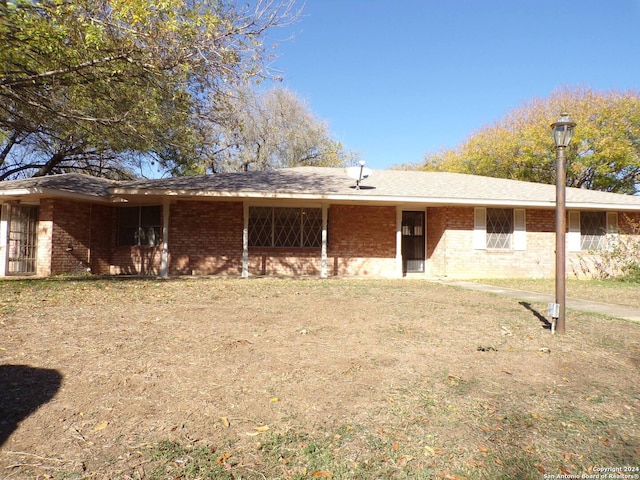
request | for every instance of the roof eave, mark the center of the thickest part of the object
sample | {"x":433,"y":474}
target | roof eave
{"x":602,"y":206}
{"x":364,"y":198}
{"x":122,"y":194}
{"x":37,"y":192}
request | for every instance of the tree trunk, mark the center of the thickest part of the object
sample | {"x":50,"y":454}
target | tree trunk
{"x":46,"y":169}
{"x":5,"y":151}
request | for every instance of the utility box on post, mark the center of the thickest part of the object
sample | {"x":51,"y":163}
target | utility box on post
{"x":553,"y":311}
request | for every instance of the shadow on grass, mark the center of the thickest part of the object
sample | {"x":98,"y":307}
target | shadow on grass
{"x":23,"y":390}
{"x":545,"y":323}
{"x":124,"y":278}
{"x":53,"y":279}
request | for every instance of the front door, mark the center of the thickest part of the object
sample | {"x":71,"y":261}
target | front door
{"x":413,"y":232}
{"x":23,"y":228}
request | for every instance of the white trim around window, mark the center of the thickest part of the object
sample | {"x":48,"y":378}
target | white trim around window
{"x":575,"y":236}
{"x":519,"y":229}
{"x":480,"y":228}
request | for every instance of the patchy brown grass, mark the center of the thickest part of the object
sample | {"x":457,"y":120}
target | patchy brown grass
{"x":606,"y":291}
{"x":275,"y":378}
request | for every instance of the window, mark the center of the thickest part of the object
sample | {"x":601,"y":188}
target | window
{"x":139,"y":226}
{"x":591,"y":230}
{"x":23,"y":239}
{"x":499,"y":229}
{"x":285,"y":227}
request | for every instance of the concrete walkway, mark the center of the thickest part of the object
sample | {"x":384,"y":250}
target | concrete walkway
{"x":619,"y":311}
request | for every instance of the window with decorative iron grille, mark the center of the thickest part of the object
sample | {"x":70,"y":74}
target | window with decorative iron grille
{"x":285,"y":227}
{"x":593,"y":229}
{"x":499,"y":228}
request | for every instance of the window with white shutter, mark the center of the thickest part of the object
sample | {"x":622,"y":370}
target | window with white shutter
{"x":499,"y":229}
{"x":591,"y":230}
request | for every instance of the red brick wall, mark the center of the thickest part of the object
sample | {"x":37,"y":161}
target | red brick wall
{"x":586,"y":264}
{"x":134,"y":260}
{"x":436,"y":240}
{"x":283,"y":261}
{"x":362,"y":231}
{"x":450,"y":249}
{"x":362,"y":240}
{"x":83,"y":236}
{"x":103,"y":238}
{"x":70,"y":240}
{"x":205,"y":238}
{"x":539,"y":259}
{"x":541,"y":221}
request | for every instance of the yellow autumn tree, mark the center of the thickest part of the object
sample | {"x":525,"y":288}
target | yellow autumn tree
{"x":603,"y":155}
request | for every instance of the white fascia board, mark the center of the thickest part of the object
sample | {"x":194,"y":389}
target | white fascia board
{"x":15,"y":192}
{"x":52,"y":193}
{"x":368,"y":199}
{"x":443,"y":201}
{"x":315,"y":196}
{"x":603,"y":206}
{"x":128,"y":193}
{"x":484,"y":202}
{"x":295,"y":202}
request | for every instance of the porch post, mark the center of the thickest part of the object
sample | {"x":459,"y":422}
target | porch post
{"x":245,"y":241}
{"x":425,"y":233}
{"x":164,"y":259}
{"x":4,"y":236}
{"x":323,"y":254}
{"x":399,"y":241}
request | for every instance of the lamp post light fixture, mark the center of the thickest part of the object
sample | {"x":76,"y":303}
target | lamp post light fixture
{"x":562,"y":132}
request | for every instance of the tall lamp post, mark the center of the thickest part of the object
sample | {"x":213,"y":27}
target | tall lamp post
{"x":562,"y":131}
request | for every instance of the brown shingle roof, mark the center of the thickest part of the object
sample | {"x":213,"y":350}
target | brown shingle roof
{"x":383,"y":186}
{"x":73,"y":183}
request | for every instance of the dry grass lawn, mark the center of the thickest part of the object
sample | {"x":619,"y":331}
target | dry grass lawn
{"x":281,"y":378}
{"x":604,"y":291}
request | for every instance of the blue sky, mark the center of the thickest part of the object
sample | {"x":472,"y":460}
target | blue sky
{"x":395,"y":79}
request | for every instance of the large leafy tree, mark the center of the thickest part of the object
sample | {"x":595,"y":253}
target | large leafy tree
{"x":92,"y":84}
{"x":254,"y":130}
{"x":603,"y":155}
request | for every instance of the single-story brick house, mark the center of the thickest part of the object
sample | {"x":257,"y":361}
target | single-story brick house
{"x":301,"y":221}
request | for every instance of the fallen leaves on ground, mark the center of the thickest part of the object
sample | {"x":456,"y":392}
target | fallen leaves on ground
{"x":322,"y":474}
{"x":100,"y":426}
